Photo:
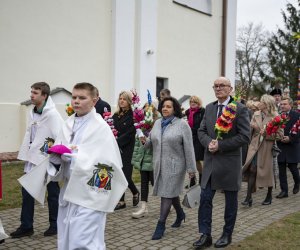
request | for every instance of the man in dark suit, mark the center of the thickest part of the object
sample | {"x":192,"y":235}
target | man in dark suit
{"x":290,"y":150}
{"x":101,"y":105}
{"x":222,"y":164}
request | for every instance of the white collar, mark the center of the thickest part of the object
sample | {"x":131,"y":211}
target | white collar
{"x":80,"y":119}
{"x":225,"y":102}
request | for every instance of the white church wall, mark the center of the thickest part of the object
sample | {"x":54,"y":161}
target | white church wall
{"x":189,"y":49}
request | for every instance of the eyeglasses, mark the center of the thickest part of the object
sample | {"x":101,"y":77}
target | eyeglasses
{"x":220,"y":86}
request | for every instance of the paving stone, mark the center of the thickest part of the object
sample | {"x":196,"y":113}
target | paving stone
{"x":138,"y":248}
{"x":167,"y":248}
{"x":123,"y":232}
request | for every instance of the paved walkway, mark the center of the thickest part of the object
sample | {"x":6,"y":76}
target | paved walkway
{"x":123,"y":232}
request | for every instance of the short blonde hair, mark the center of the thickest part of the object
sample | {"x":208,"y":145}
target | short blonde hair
{"x":128,"y":97}
{"x":270,"y":103}
{"x":290,"y":100}
{"x":196,"y":99}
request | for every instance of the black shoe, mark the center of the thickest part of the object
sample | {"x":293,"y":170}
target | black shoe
{"x":135,"y":200}
{"x":223,"y":241}
{"x":281,"y":195}
{"x":204,"y":242}
{"x":120,"y":206}
{"x":50,"y":231}
{"x":2,"y":241}
{"x":179,"y":218}
{"x":247,"y":202}
{"x":20,"y":232}
{"x":159,"y":230}
{"x":267,"y":201}
{"x":296,"y":189}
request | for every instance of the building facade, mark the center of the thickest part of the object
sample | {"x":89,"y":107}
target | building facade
{"x":116,"y":45}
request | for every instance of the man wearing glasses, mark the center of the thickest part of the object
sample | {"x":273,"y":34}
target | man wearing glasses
{"x":222,"y":164}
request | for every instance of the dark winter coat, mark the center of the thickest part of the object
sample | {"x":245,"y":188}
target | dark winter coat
{"x":224,"y":167}
{"x":198,"y":148}
{"x":290,"y":152}
{"x":101,"y":105}
{"x":126,"y":135}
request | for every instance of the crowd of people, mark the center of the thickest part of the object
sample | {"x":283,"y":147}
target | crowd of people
{"x":218,"y":147}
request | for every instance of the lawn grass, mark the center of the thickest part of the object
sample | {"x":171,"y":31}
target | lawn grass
{"x":12,"y":196}
{"x":136,"y":176}
{"x":282,"y":234}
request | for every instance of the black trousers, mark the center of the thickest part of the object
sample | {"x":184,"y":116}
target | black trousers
{"x":206,"y":206}
{"x":283,"y":177}
{"x":27,"y":211}
{"x":127,"y":170}
{"x":146,"y":177}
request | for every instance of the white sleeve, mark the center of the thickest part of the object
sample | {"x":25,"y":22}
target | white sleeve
{"x":54,"y":174}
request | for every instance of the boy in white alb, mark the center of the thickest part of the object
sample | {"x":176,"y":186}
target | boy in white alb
{"x":43,"y":126}
{"x":92,"y":174}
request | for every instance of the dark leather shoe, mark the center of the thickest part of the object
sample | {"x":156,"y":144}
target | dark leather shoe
{"x":267,"y":202}
{"x":159,"y":231}
{"x":204,"y":242}
{"x":120,"y":206}
{"x":135,"y":200}
{"x":296,"y":189}
{"x":50,"y":231}
{"x":247,"y":202}
{"x":2,"y":241}
{"x":282,"y":195}
{"x":223,"y":241}
{"x":20,"y":232}
{"x":179,"y":218}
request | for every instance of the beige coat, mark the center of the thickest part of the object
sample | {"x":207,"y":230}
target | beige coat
{"x":263,"y":147}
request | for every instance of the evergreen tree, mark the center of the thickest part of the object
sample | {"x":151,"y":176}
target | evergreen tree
{"x":284,"y":49}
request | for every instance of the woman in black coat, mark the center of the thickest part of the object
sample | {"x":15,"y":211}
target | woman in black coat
{"x":194,"y":117}
{"x":123,"y":123}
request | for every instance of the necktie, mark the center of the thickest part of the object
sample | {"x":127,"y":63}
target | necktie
{"x":220,"y":110}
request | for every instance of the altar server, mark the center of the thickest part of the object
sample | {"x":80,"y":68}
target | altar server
{"x":44,"y":124}
{"x":92,"y":173}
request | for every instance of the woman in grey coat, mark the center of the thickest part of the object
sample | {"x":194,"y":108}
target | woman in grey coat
{"x":173,"y":156}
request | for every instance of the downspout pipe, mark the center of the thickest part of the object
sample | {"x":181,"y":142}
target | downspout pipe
{"x":224,"y":38}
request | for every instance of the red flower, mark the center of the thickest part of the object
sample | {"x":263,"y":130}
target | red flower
{"x":283,"y":116}
{"x":277,"y":119}
{"x":296,"y":128}
{"x":276,"y":123}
